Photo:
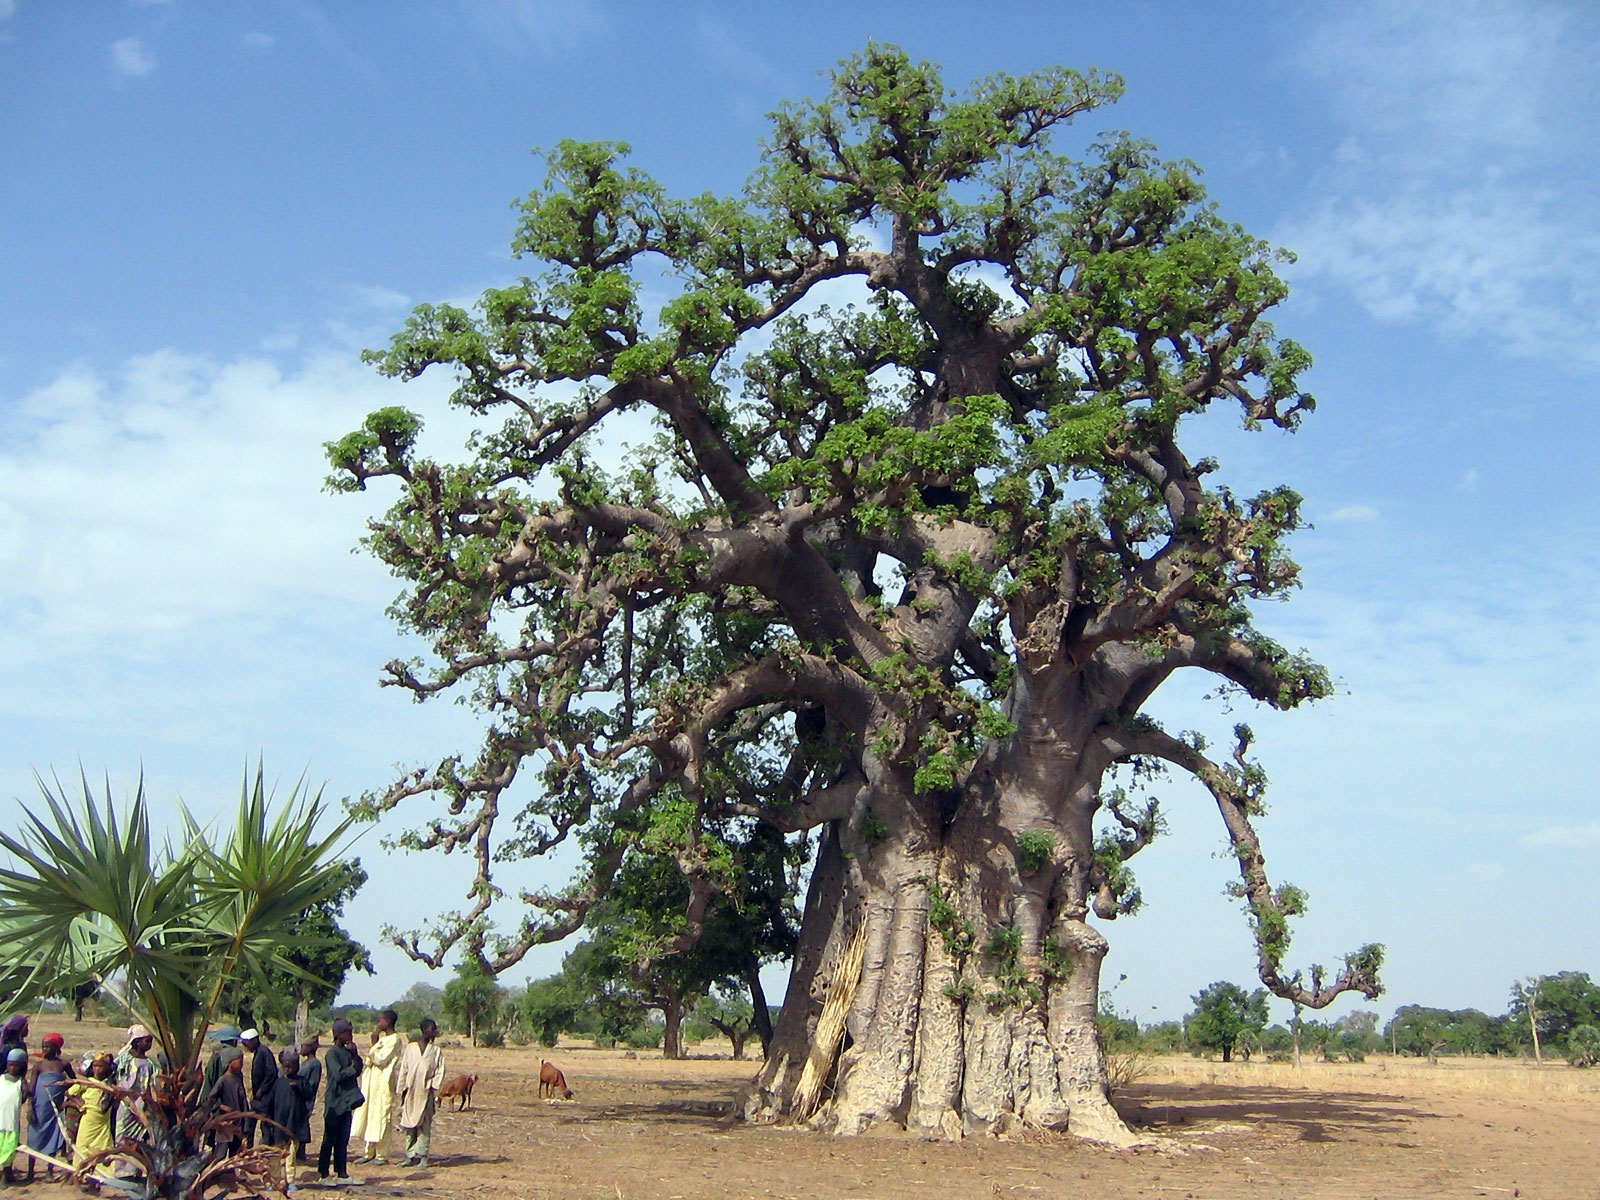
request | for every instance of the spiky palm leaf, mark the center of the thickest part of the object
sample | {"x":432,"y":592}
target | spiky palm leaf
{"x":89,"y":894}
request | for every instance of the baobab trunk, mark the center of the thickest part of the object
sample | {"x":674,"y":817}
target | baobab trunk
{"x":974,"y":1004}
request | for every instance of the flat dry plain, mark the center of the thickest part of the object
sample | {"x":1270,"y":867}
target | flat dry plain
{"x":645,"y":1129}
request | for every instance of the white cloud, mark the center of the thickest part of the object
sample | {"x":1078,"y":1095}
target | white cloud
{"x":1355,"y":513}
{"x":1462,"y":195}
{"x":1480,"y":872}
{"x":381,"y":297}
{"x":137,"y":506}
{"x":1563,"y":837}
{"x":132,"y":58}
{"x":257,"y":40}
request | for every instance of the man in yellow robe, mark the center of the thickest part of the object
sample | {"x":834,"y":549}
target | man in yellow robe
{"x":416,"y":1090}
{"x":377,"y":1085}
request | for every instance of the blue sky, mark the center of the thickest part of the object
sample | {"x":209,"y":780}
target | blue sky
{"x":211,"y":208}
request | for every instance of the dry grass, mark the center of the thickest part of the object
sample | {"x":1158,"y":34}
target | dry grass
{"x":1384,"y":1075}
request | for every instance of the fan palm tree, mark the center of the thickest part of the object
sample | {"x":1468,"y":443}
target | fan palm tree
{"x":90,"y":895}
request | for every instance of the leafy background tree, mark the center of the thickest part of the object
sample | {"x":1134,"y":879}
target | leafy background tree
{"x":905,"y":571}
{"x":472,"y":1001}
{"x":1224,"y":1013}
{"x":420,"y":1000}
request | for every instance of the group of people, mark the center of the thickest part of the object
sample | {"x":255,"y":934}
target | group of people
{"x":247,"y":1093}
{"x":37,"y":1094}
{"x":254,"y":1093}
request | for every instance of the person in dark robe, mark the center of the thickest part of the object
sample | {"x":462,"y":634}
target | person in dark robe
{"x":230,"y":1095}
{"x":289,"y":1110}
{"x":263,"y":1078}
{"x":340,"y":1099}
{"x":310,"y":1081}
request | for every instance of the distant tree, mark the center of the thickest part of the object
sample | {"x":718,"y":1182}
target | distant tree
{"x":610,"y":1009}
{"x":1164,"y":1037}
{"x":471,"y":1000}
{"x":418,"y":1001}
{"x":731,"y":1014}
{"x":1423,"y":1032}
{"x":747,"y":922}
{"x":550,"y":1007}
{"x":1583,"y":1046}
{"x":1223,"y":1013}
{"x":1117,"y":1031}
{"x":1551,"y":1006}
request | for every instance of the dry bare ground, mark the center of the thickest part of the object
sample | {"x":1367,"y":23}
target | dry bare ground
{"x":645,"y":1129}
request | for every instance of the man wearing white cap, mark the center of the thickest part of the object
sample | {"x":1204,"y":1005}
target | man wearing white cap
{"x":263,"y":1078}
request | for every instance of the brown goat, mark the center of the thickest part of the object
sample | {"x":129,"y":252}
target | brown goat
{"x":461,"y":1088}
{"x":551,"y":1080}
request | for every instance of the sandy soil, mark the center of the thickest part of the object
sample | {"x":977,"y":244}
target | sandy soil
{"x":645,"y":1129}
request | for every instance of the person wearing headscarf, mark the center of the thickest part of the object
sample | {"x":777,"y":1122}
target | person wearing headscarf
{"x":136,"y":1071}
{"x":14,"y":1034}
{"x":339,"y":1100}
{"x":12,"y":1120}
{"x":417,"y":1092}
{"x":371,"y":1124}
{"x":46,"y":1092}
{"x":227,"y":1035}
{"x":263,"y":1078}
{"x":94,"y":1129}
{"x":230,"y":1095}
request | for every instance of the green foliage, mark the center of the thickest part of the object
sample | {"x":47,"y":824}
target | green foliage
{"x":1223,"y":1013}
{"x":1562,"y":1002}
{"x":471,"y":1000}
{"x":1583,"y":1045}
{"x":551,"y":1007}
{"x":1417,"y":1030}
{"x":1034,"y":848}
{"x":958,"y":932}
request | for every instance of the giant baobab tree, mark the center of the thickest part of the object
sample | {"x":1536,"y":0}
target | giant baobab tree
{"x":909,"y":550}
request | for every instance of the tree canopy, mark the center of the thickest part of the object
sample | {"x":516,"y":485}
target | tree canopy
{"x":910,"y":547}
{"x":1223,"y":1014}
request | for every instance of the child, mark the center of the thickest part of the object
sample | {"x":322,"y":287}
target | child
{"x":12,"y":1122}
{"x":290,"y":1111}
{"x":94,"y":1129}
{"x":231,"y":1096}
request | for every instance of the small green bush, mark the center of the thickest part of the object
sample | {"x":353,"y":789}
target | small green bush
{"x":1034,"y":848}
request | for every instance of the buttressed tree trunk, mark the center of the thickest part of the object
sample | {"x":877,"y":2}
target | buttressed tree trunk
{"x":901,"y":572}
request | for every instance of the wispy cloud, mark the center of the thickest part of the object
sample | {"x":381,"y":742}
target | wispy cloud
{"x":1563,"y":837}
{"x":131,"y":58}
{"x":1463,"y":193}
{"x":257,"y":40}
{"x":551,"y":28}
{"x":1355,"y":513}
